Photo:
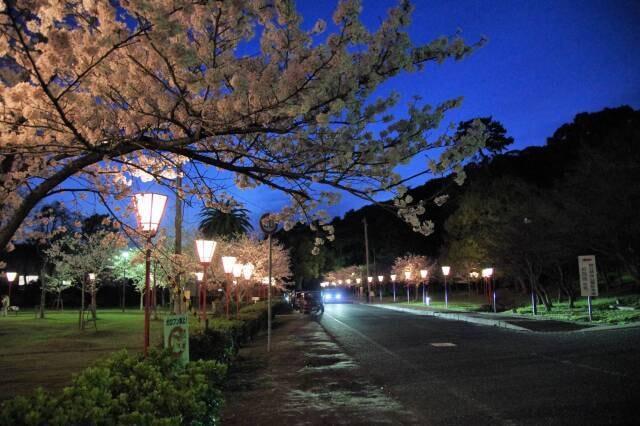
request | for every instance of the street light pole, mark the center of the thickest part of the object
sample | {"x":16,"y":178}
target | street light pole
{"x":393,"y":280}
{"x":407,"y":278}
{"x":366,"y":254}
{"x":445,"y":271}
{"x":425,"y":296}
{"x":227,"y":265}
{"x":269,"y":225}
{"x":149,"y":209}
{"x":205,"y":250}
{"x":380,"y":280}
{"x":11,"y":276}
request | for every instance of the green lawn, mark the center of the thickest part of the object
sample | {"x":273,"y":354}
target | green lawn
{"x":602,"y":312}
{"x":46,"y":352}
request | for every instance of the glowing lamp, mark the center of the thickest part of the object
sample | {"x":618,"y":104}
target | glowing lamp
{"x":370,"y":279}
{"x":237,"y":270}
{"x":199,"y":276}
{"x":380,"y":278}
{"x":339,"y":282}
{"x":205,"y":249}
{"x":149,"y":209}
{"x":474,"y":274}
{"x":393,"y":278}
{"x":348,"y":281}
{"x":247,"y":270}
{"x":487,"y":272}
{"x":423,"y":273}
{"x":227,"y":264}
{"x":407,"y":275}
{"x":92,"y":276}
{"x":358,"y":281}
{"x":446,"y":270}
{"x":11,"y":276}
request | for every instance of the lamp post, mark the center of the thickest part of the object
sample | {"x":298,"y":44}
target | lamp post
{"x":393,"y":280}
{"x":205,"y":249}
{"x":359,"y":284}
{"x":199,"y":278}
{"x":380,"y":280}
{"x":425,"y":295}
{"x":487,"y":273}
{"x":473,"y":276}
{"x":269,"y":225}
{"x":237,"y":273}
{"x":149,"y":209}
{"x":369,"y":281}
{"x":227,"y":266}
{"x":445,"y":271}
{"x":247,"y":272}
{"x":11,"y":277}
{"x":125,"y":256}
{"x":407,"y":278}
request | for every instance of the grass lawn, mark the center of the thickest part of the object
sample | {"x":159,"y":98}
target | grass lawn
{"x":602,"y":312}
{"x":46,"y":352}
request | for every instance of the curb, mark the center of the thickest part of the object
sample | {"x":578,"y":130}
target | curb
{"x":455,"y":317}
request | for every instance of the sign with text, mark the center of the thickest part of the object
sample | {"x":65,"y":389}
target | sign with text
{"x":176,"y":337}
{"x":588,"y":276}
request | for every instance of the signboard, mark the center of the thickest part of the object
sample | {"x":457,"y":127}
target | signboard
{"x":588,"y":276}
{"x":176,"y":337}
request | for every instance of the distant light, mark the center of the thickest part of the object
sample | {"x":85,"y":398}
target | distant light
{"x":474,"y":274}
{"x":487,"y":272}
{"x":11,"y":276}
{"x":339,"y":282}
{"x":423,"y":273}
{"x":393,"y":277}
{"x":205,"y":249}
{"x":338,"y":296}
{"x":66,"y":282}
{"x":348,"y":281}
{"x":247,"y":270}
{"x":92,"y":276}
{"x":199,"y":275}
{"x":370,"y":279}
{"x":227,"y":264}
{"x":358,"y":280}
{"x":380,"y":278}
{"x":446,"y":270}
{"x":407,"y":275}
{"x":31,"y":278}
{"x":328,"y":296}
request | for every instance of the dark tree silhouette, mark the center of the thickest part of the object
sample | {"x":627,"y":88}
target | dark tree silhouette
{"x":497,"y":139}
{"x":219,"y":223}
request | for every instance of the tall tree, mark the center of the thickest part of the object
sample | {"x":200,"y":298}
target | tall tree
{"x":229,"y":221}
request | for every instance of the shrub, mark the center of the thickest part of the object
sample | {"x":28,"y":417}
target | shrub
{"x":128,"y":390}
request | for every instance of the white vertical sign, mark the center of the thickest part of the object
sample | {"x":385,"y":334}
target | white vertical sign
{"x":588,"y":276}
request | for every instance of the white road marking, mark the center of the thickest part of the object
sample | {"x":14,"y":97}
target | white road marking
{"x":443,"y":344}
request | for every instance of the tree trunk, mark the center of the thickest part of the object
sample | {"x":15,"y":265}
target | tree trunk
{"x":93,"y":301}
{"x":81,"y":322}
{"x":141,"y":300}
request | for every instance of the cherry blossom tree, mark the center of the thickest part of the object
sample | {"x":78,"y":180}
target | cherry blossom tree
{"x":94,"y":92}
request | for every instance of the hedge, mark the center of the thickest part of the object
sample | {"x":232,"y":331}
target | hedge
{"x":127,"y":389}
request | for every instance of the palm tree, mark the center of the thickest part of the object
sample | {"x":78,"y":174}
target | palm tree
{"x":215,"y":222}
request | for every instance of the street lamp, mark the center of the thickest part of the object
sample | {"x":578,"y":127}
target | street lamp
{"x":205,"y":249}
{"x":487,"y":273}
{"x":237,"y":273}
{"x":407,"y":278}
{"x":11,"y":277}
{"x":227,"y":266}
{"x":425,"y":296}
{"x":380,"y":280}
{"x":149,"y":208}
{"x":393,"y":280}
{"x":247,"y":272}
{"x":445,"y":271}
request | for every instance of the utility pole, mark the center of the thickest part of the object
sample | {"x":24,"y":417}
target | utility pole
{"x":366,"y":255}
{"x":177,"y":299}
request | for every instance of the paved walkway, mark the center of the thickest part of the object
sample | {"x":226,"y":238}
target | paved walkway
{"x":307,"y":379}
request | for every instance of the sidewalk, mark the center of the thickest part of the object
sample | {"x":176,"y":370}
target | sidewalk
{"x":306,"y":379}
{"x":513,"y":322}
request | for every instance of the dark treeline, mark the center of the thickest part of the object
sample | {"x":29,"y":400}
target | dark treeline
{"x":527,"y":213}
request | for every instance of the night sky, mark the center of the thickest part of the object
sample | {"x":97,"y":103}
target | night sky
{"x":544,"y":62}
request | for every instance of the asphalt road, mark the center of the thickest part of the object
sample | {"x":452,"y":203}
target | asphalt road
{"x":456,"y":373}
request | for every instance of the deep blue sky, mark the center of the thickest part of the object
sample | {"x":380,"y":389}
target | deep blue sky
{"x":544,"y":62}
